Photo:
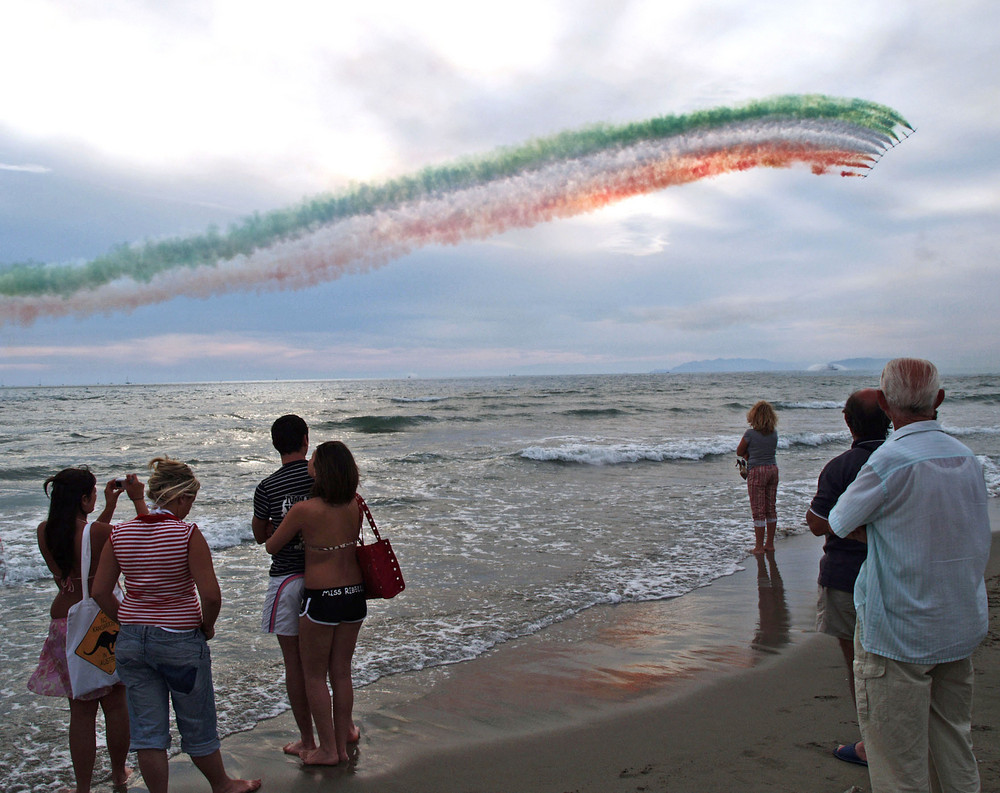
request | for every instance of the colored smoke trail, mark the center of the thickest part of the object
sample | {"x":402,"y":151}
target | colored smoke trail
{"x":547,"y":179}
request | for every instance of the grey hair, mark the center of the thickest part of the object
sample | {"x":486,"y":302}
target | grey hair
{"x":170,"y":479}
{"x":910,"y":385}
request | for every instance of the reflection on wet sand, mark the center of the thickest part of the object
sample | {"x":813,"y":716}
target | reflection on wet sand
{"x":564,"y":675}
{"x":610,"y":654}
{"x":773,"y":622}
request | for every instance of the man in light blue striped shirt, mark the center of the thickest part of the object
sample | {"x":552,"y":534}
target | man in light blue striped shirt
{"x":920,"y":595}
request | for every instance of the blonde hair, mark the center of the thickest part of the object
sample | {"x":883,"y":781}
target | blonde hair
{"x":762,"y":417}
{"x":170,"y":479}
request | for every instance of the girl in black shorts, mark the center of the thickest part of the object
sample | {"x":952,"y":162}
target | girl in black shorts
{"x":333,"y":602}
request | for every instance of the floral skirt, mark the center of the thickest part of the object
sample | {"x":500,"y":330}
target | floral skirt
{"x":51,"y":678}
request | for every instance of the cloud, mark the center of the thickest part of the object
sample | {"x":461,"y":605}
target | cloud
{"x":168,"y":348}
{"x":228,"y":355}
{"x":642,"y":235}
{"x":953,"y":198}
{"x":714,"y":315}
{"x":255,"y":108}
{"x":26,"y":168}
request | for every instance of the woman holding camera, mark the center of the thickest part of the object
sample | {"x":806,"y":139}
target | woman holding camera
{"x":172,"y":600}
{"x":60,"y":540}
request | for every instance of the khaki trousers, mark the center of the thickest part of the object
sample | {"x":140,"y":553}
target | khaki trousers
{"x":916,"y":722}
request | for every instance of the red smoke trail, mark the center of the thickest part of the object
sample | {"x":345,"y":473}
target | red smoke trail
{"x":356,"y":244}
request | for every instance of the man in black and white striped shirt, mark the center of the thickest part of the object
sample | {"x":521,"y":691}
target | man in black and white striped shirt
{"x":272,"y":499}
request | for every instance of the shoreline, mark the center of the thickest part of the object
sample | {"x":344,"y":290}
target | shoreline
{"x":726,"y":687}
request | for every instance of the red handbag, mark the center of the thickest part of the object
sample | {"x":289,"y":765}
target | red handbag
{"x":379,"y":566}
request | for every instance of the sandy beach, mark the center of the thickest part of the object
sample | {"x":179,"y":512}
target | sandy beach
{"x":727,"y":688}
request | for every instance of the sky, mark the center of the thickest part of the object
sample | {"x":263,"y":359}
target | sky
{"x":123,"y":122}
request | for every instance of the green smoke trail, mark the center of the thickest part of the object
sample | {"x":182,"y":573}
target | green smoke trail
{"x":141,"y":262}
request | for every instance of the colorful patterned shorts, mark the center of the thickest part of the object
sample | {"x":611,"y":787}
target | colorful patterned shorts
{"x":51,"y":678}
{"x":762,"y":487}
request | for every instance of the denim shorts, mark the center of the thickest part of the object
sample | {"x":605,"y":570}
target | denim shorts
{"x":156,"y":666}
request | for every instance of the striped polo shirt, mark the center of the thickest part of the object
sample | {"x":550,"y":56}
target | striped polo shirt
{"x":272,"y":499}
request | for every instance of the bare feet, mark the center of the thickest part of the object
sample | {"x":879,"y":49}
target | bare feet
{"x":240,"y":786}
{"x":321,"y":756}
{"x":755,"y":551}
{"x":297,"y":748}
{"x":120,"y":785}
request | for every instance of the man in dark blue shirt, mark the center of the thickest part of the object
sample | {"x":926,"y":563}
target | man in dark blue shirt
{"x":842,"y":558}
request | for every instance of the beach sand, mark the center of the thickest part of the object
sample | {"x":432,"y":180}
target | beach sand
{"x":727,"y":688}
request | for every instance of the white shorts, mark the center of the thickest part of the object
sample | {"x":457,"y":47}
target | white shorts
{"x":282,"y":605}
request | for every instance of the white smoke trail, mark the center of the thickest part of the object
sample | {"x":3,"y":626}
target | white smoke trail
{"x":557,"y":190}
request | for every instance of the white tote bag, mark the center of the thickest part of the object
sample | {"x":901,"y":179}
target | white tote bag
{"x":90,"y":636}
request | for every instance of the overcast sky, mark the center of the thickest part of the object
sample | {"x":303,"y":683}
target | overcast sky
{"x":122,"y":121}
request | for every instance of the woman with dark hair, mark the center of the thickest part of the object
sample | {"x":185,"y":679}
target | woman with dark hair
{"x":60,"y":539}
{"x":759,"y":445}
{"x":333,"y":601}
{"x":172,"y":600}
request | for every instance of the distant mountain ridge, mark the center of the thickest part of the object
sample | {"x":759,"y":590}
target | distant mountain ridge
{"x":862,"y":365}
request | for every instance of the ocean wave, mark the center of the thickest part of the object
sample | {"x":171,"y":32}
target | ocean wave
{"x":593,"y":413}
{"x":815,"y":405}
{"x":28,"y":473}
{"x":991,"y":472}
{"x":675,"y":409}
{"x":413,"y":644}
{"x":419,"y":458}
{"x":812,"y":439}
{"x":960,"y":432}
{"x":374,"y":425}
{"x":407,"y":400}
{"x":21,"y":562}
{"x":990,"y":398}
{"x":226,"y":532}
{"x":20,"y":559}
{"x":593,"y":452}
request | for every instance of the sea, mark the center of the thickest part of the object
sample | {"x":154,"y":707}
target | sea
{"x":513,"y":503}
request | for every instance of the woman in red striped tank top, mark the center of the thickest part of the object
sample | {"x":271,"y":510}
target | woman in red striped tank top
{"x":172,"y":600}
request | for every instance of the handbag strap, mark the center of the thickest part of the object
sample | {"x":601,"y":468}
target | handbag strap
{"x":85,"y":561}
{"x":368,"y":514}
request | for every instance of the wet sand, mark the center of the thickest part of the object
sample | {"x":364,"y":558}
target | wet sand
{"x":727,"y":688}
